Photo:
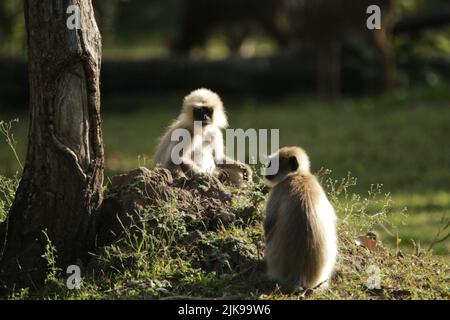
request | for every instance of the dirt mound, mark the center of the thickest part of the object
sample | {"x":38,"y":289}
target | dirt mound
{"x":188,"y":218}
{"x":202,"y":199}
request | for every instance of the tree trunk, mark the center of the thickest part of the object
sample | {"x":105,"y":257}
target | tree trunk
{"x":60,"y":190}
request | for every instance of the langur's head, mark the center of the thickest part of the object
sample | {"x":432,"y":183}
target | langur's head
{"x":205,"y":106}
{"x":288,"y":161}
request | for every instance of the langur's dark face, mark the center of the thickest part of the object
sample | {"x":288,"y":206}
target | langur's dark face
{"x":203,"y":114}
{"x":281,"y":168}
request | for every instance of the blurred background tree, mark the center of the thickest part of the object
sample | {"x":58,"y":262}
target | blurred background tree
{"x":156,"y":23}
{"x":140,"y":29}
{"x":129,"y":26}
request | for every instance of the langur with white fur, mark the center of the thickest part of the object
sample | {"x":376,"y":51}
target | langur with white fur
{"x":194,"y":142}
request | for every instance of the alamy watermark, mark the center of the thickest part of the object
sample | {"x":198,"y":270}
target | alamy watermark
{"x":374,"y":20}
{"x":73,"y":281}
{"x":257,"y":142}
{"x":73,"y":22}
{"x":374,"y":279}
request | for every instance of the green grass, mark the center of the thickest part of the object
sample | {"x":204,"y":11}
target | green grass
{"x":399,"y":141}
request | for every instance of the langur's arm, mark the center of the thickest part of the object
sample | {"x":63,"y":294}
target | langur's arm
{"x":221,"y":159}
{"x":219,"y":154}
{"x":227,"y":164}
{"x":224,"y":164}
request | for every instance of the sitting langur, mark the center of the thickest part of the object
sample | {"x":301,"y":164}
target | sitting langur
{"x":194,"y":142}
{"x":300,"y":224}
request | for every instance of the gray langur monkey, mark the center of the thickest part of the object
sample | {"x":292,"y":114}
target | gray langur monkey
{"x":300,"y":225}
{"x":201,"y":148}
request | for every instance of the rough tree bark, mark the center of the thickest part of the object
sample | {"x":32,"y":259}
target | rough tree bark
{"x":60,"y":190}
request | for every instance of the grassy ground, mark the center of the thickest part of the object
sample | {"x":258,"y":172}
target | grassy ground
{"x":399,"y":141}
{"x":227,"y":261}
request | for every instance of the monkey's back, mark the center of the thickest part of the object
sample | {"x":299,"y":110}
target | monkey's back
{"x":301,"y":244}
